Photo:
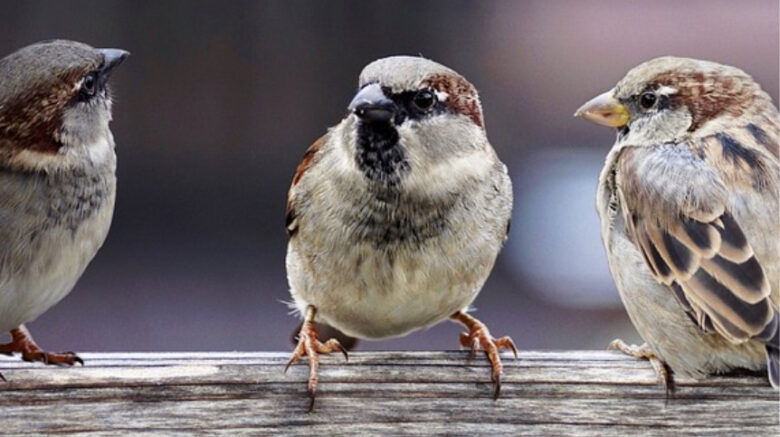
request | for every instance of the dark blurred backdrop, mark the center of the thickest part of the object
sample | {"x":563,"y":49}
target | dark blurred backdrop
{"x":220,"y":99}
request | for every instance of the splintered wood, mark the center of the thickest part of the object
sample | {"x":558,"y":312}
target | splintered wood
{"x":543,"y":393}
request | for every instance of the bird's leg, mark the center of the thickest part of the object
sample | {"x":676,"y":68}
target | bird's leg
{"x":643,"y":352}
{"x":22,"y":342}
{"x":479,"y":337}
{"x":310,"y":346}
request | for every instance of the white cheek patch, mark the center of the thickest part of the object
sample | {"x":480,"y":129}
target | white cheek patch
{"x":101,"y":150}
{"x":449,"y":174}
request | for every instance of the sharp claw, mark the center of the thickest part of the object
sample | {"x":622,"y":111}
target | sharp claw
{"x":662,"y":371}
{"x":479,"y":337}
{"x":311,"y":401}
{"x":77,"y":359}
{"x":3,"y":378}
{"x":511,"y":344}
{"x":310,"y":346}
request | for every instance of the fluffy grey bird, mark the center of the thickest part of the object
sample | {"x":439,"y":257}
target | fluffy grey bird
{"x":397,"y":214}
{"x":688,"y":200}
{"x":57,"y":179}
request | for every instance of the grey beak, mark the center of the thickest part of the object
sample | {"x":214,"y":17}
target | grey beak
{"x":371,"y":105}
{"x":111,"y":59}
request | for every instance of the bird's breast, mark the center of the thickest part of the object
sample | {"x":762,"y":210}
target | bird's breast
{"x":52,"y":226}
{"x":388,"y":219}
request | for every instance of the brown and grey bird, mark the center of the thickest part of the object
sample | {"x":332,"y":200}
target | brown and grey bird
{"x":397,"y":214}
{"x":688,"y":200}
{"x":57,"y":179}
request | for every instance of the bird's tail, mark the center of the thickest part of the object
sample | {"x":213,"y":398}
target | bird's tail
{"x":773,"y":365}
{"x":773,"y":351}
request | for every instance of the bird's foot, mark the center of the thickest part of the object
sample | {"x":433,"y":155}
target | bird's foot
{"x":310,"y":346}
{"x":478,"y":338}
{"x":23,"y":343}
{"x":643,"y":352}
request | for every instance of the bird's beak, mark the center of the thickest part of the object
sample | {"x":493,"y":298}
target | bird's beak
{"x":371,"y":105}
{"x":111,"y":59}
{"x":604,"y":110}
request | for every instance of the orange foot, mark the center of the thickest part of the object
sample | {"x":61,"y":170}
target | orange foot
{"x":309,"y":345}
{"x":22,"y":342}
{"x":479,"y":337}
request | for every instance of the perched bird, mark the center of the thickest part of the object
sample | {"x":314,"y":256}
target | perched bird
{"x":57,"y":179}
{"x":688,"y":200}
{"x":397,"y":214}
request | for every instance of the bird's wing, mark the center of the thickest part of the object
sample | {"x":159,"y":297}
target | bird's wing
{"x":308,"y":157}
{"x":677,"y":211}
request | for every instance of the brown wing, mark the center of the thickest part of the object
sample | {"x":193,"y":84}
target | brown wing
{"x":713,"y":271}
{"x":676,"y":211}
{"x":308,"y":157}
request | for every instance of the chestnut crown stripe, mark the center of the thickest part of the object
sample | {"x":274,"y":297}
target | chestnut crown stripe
{"x":462,"y":97}
{"x":707,"y":96}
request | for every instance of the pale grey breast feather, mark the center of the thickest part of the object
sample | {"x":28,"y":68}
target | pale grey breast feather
{"x":669,"y":179}
{"x":391,"y":217}
{"x":32,"y":203}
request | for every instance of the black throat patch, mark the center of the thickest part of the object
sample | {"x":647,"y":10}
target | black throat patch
{"x":379,"y":155}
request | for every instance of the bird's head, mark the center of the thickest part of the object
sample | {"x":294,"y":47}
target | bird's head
{"x":54,"y":101}
{"x":670,"y":99}
{"x":410,"y":113}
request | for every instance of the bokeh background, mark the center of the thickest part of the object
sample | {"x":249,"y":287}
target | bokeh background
{"x":220,"y":99}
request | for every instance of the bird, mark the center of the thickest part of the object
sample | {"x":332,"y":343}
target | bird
{"x":688,"y":203}
{"x":397,"y":214}
{"x":57,"y":180}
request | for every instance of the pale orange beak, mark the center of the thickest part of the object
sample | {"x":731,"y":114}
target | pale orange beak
{"x":604,"y":110}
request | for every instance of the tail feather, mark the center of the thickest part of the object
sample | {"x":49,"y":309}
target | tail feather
{"x":771,"y":338}
{"x":773,"y":366}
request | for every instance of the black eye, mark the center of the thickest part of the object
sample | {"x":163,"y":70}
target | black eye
{"x":89,"y":85}
{"x":424,"y":100}
{"x":647,"y":100}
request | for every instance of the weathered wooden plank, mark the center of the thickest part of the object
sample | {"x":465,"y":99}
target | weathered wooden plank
{"x":561,"y":393}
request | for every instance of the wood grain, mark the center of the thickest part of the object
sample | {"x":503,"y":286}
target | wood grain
{"x":218,"y":393}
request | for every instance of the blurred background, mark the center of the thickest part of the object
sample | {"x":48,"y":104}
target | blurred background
{"x":220,"y":99}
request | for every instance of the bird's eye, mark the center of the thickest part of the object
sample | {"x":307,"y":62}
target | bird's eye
{"x":89,"y":85}
{"x":647,"y":100}
{"x":424,"y":100}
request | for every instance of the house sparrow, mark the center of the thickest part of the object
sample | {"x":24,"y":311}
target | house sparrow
{"x":397,"y":214}
{"x":57,"y":179}
{"x":688,"y":200}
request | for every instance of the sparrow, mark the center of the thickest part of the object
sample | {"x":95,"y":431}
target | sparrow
{"x":396,"y":215}
{"x":57,"y":179}
{"x":688,"y":202}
